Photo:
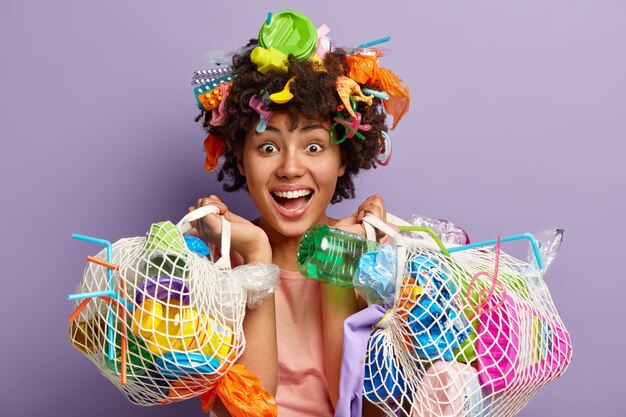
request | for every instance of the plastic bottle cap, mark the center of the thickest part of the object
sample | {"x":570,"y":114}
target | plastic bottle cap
{"x":291,"y":33}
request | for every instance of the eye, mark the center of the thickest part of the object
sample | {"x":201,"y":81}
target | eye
{"x":314,"y":148}
{"x":267,"y":148}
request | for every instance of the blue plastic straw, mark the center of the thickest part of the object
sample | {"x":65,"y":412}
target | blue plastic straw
{"x":80,"y":296}
{"x":531,"y":238}
{"x":370,"y":43}
{"x":122,"y":302}
{"x":268,"y":21}
{"x":109,"y":251}
{"x":106,"y":293}
{"x":380,"y":94}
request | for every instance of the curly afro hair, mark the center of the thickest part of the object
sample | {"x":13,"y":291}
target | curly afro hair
{"x":314,"y":98}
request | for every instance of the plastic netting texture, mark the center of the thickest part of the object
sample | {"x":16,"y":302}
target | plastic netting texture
{"x":460,"y":341}
{"x":171,"y":324}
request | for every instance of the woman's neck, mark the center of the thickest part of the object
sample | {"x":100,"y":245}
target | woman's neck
{"x":284,"y":251}
{"x":285,"y":248}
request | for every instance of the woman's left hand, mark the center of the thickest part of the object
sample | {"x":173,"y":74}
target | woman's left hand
{"x":375,"y":205}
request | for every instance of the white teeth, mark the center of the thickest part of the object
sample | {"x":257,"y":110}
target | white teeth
{"x":292,"y":194}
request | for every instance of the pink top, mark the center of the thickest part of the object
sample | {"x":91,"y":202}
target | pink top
{"x":302,"y":387}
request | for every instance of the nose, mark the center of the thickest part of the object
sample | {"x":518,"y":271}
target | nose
{"x":291,"y":165}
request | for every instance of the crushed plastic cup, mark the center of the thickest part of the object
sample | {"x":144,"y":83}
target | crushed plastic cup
{"x":289,"y":32}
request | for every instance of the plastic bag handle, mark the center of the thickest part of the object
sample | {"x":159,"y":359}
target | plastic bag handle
{"x":371,"y":223}
{"x":185,"y":225}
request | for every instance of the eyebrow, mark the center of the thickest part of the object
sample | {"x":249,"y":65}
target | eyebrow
{"x":314,"y":126}
{"x":306,"y":128}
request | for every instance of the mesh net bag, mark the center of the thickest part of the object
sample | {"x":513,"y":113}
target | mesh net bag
{"x":158,"y":318}
{"x":472,"y":331}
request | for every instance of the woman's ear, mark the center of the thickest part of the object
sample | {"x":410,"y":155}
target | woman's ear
{"x":240,"y":165}
{"x":342,"y":170}
{"x":344,"y":163}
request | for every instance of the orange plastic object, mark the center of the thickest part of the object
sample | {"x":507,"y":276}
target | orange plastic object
{"x":409,"y":295}
{"x":211,"y":100}
{"x":101,"y":262}
{"x":346,"y":88}
{"x":214,"y":148}
{"x":80,"y":308}
{"x":398,"y":103}
{"x":364,"y":70}
{"x":241,"y":393}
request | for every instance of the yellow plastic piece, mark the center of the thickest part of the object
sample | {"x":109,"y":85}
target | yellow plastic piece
{"x":268,"y":59}
{"x":153,"y":321}
{"x":318,"y":64}
{"x":285,"y":95}
{"x":167,"y":327}
{"x":204,"y":333}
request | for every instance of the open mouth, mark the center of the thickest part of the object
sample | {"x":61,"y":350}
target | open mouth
{"x":292,"y":200}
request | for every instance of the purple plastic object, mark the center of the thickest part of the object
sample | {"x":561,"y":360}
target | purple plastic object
{"x":356,"y":331}
{"x":162,"y":288}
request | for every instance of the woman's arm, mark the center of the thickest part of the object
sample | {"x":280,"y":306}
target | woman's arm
{"x":260,"y":355}
{"x":259,"y":326}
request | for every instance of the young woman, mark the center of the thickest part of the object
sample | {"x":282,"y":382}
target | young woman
{"x":293,"y":167}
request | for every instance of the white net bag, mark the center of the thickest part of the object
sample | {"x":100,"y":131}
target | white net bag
{"x":472,"y":331}
{"x":158,"y":318}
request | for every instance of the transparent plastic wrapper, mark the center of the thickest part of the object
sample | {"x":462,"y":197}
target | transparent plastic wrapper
{"x":259,"y":280}
{"x":472,"y":331}
{"x":447,"y":231}
{"x":159,"y":319}
{"x":375,"y":277}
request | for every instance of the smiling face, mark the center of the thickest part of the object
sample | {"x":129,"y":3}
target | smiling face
{"x":291,"y":173}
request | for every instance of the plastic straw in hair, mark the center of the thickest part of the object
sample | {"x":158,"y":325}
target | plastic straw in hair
{"x":370,"y":43}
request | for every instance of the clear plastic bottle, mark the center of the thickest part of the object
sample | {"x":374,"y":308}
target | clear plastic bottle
{"x":331,"y":255}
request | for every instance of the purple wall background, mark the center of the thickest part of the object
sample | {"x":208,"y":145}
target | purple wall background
{"x":516,"y":124}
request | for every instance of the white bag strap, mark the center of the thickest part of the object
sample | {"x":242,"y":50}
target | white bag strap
{"x":185,"y":225}
{"x":372,"y":222}
{"x":370,"y":231}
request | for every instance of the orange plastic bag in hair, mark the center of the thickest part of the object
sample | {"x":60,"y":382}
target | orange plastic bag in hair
{"x":214,"y":148}
{"x":241,"y":393}
{"x":398,"y":103}
{"x":364,"y":69}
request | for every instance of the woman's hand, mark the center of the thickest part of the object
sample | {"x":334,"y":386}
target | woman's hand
{"x":354,"y":223}
{"x":248,"y":240}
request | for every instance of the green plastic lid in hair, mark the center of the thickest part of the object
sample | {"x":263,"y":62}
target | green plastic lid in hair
{"x":289,"y":32}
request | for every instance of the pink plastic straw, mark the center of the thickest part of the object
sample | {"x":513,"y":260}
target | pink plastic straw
{"x":486,"y":296}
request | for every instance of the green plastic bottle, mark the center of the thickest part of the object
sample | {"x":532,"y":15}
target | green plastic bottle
{"x":331,"y":255}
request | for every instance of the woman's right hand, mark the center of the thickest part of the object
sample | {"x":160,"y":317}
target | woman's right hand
{"x":248,"y":240}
